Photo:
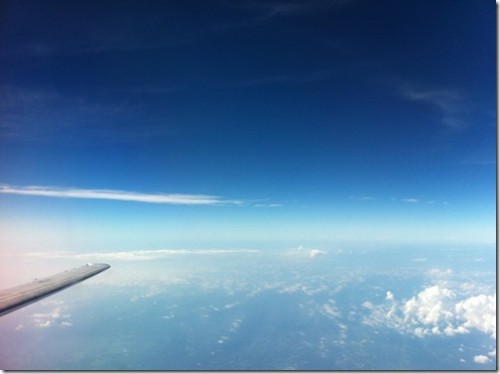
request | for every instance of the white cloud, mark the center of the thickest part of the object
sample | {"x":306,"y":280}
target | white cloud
{"x":367,"y":305}
{"x":410,"y":200}
{"x":142,"y":254}
{"x":316,"y":252}
{"x":481,"y":359}
{"x":436,"y":310}
{"x":54,"y":317}
{"x":75,"y":193}
{"x":428,"y":307}
{"x":478,"y":312}
{"x":330,"y":310}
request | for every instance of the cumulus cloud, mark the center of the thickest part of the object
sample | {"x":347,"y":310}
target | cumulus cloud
{"x":436,"y":310}
{"x":481,"y":359}
{"x":75,"y":193}
{"x":54,"y":317}
{"x":428,"y":307}
{"x":478,"y":312}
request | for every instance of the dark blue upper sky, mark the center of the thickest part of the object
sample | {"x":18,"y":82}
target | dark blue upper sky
{"x":309,"y":120}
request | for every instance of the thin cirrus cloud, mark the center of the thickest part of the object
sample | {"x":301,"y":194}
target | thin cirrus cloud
{"x":449,"y":102}
{"x":74,"y":193}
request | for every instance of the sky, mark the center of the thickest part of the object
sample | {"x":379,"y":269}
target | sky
{"x":130,"y":125}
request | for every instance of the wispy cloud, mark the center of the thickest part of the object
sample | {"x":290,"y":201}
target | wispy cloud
{"x":35,"y":114}
{"x":272,"y":205}
{"x":449,"y":102}
{"x":363,"y":198}
{"x":142,"y":255}
{"x":289,"y":8}
{"x":292,"y":78}
{"x":114,"y":33}
{"x":410,"y":200}
{"x":74,"y":193}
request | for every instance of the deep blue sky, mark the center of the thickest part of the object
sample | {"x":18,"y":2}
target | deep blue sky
{"x":324,"y":121}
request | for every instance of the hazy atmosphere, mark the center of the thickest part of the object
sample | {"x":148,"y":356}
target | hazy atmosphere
{"x":275,"y":184}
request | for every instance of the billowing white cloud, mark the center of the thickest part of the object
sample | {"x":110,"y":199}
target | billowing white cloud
{"x":481,"y":359}
{"x":478,"y":312}
{"x":75,"y":193}
{"x":436,"y":310}
{"x":428,"y":306}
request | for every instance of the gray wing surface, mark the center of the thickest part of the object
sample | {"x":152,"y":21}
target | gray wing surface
{"x":19,"y":296}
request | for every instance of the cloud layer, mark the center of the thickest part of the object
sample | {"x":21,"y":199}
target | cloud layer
{"x":117,"y":195}
{"x":142,"y":254}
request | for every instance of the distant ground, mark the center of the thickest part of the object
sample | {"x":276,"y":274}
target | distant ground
{"x":302,"y":308}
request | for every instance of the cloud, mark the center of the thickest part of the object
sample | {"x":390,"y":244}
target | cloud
{"x":481,"y":359}
{"x":54,"y":317}
{"x":410,"y":200}
{"x":294,"y":8}
{"x":427,"y":307}
{"x":316,"y":252}
{"x":145,"y":33}
{"x":478,"y":312}
{"x":363,"y":198}
{"x":74,"y":193}
{"x":330,"y":310}
{"x":142,"y":254}
{"x":259,"y":205}
{"x":436,"y":310}
{"x":293,"y":78}
{"x":302,"y":252}
{"x":449,"y":102}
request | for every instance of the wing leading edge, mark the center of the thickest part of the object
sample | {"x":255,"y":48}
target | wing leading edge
{"x":19,"y":296}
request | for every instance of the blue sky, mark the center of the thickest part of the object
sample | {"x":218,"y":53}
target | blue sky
{"x":332,"y":122}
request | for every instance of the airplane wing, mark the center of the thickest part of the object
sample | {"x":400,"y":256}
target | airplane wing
{"x":19,"y":296}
